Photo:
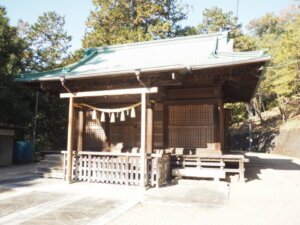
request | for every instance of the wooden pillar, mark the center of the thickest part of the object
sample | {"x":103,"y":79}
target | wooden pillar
{"x":149,"y":127}
{"x":221,"y":120}
{"x":80,"y":130}
{"x":143,"y":139}
{"x":70,"y":140}
{"x":165,"y":125}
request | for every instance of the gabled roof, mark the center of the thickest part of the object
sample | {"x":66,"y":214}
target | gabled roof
{"x":191,"y":52}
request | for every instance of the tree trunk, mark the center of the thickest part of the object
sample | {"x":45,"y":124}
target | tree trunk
{"x":282,"y":113}
{"x":256,"y":108}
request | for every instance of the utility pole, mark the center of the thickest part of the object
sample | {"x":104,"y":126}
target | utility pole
{"x":34,"y":125}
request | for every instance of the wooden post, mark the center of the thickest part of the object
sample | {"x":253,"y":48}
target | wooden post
{"x":80,"y":130}
{"x":241,"y":171}
{"x":157,"y":162}
{"x":221,"y":120}
{"x":143,"y":139}
{"x":70,"y":140}
{"x":165,"y":125}
{"x":149,"y":138}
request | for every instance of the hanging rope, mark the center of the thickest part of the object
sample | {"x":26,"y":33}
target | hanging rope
{"x":117,"y":110}
{"x":111,"y":112}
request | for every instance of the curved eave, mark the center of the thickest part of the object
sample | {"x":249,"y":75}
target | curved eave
{"x":145,"y":70}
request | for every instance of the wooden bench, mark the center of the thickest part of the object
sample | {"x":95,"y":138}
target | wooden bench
{"x":211,"y":161}
{"x":216,"y":174}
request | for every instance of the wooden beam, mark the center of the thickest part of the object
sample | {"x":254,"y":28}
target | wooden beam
{"x":132,"y":91}
{"x":208,"y":101}
{"x":192,"y":93}
{"x":70,"y":140}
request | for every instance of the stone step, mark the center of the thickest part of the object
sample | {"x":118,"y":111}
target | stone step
{"x":51,"y":166}
{"x":50,"y":163}
{"x":53,"y":172}
{"x":48,"y":169}
{"x":54,"y":157}
{"x":50,"y":175}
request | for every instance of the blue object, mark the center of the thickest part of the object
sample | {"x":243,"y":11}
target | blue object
{"x":23,"y":152}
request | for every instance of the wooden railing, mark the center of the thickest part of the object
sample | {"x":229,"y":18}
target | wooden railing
{"x":211,"y":162}
{"x":118,"y":168}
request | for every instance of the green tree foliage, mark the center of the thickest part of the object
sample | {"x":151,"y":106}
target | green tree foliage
{"x":48,"y":41}
{"x":15,"y":104}
{"x":281,"y":35}
{"x":215,"y":20}
{"x":239,"y":113}
{"x":48,"y":49}
{"x":125,"y":21}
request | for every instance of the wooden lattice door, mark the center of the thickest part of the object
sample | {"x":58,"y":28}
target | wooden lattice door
{"x":191,"y":126}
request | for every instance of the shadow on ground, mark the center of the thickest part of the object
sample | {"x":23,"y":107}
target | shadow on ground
{"x":256,"y":164}
{"x":17,"y":176}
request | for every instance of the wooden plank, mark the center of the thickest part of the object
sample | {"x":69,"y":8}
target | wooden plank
{"x":106,"y":153}
{"x":230,"y":170}
{"x":203,"y":164}
{"x":200,"y":101}
{"x":110,"y":92}
{"x":192,"y":93}
{"x":70,"y":140}
{"x":7,"y":132}
{"x":193,"y":172}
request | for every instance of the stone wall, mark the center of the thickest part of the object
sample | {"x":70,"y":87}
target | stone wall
{"x":285,"y":141}
{"x":288,"y":140}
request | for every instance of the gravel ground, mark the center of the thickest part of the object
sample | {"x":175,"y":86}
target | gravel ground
{"x":271,"y":195}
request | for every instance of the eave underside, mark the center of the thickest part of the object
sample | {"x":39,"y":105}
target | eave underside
{"x":235,"y":83}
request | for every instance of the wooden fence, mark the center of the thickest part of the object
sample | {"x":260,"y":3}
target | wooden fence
{"x":118,"y":168}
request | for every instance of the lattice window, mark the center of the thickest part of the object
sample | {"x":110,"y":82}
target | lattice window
{"x":191,"y":126}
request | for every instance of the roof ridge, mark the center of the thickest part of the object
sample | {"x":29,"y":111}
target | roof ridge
{"x":159,"y":41}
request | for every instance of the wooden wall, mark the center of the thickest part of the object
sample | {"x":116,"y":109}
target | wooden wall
{"x":188,"y":118}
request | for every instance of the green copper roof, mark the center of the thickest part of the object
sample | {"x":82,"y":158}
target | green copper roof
{"x":192,"y":52}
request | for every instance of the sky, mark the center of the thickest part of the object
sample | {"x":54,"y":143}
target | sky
{"x":77,"y":11}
